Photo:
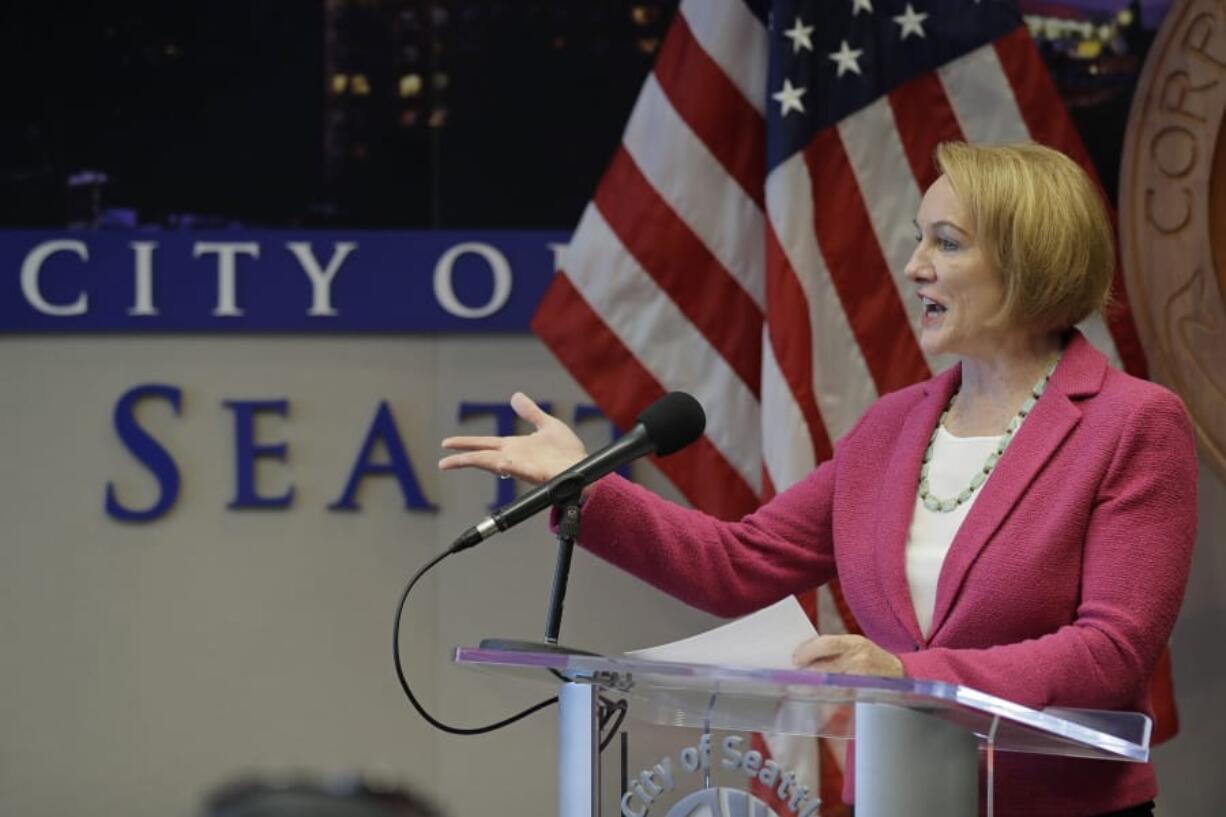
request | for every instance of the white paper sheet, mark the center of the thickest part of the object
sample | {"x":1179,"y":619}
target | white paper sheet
{"x":761,"y":640}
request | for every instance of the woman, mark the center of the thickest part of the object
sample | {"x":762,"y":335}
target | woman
{"x":1021,"y":523}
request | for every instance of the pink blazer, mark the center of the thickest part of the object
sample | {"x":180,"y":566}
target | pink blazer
{"x":1060,"y":589}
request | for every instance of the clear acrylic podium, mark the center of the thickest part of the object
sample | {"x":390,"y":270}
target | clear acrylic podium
{"x":918,"y":743}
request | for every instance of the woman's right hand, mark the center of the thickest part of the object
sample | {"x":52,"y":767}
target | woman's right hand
{"x":537,"y":457}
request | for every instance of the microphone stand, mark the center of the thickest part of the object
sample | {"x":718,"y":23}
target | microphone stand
{"x":568,"y":534}
{"x":566,"y":499}
{"x":582,"y":711}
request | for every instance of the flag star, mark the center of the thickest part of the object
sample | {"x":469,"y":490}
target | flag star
{"x":789,"y":98}
{"x":847,"y":58}
{"x":911,"y":22}
{"x":799,"y":35}
{"x":858,"y":6}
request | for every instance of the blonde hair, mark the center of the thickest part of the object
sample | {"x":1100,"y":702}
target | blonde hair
{"x":1043,"y":226}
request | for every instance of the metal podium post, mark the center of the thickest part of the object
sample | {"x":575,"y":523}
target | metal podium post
{"x":578,"y":751}
{"x":908,"y":762}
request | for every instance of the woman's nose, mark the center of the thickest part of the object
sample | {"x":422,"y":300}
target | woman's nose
{"x":918,"y":267}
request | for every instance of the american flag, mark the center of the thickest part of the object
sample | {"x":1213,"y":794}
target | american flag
{"x":748,"y":240}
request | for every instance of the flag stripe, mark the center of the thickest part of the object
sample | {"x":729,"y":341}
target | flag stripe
{"x":1162,"y":698}
{"x":656,"y":332}
{"x":857,"y":269}
{"x":839,"y":376}
{"x":768,"y":488}
{"x":788,"y":452}
{"x":791,"y":342}
{"x":697,"y":187}
{"x":1096,"y":331}
{"x":924,"y":119}
{"x":699,"y":471}
{"x":979,"y":93}
{"x":884,"y":176}
{"x":1046,"y":120}
{"x":682,"y":267}
{"x":720,"y":116}
{"x":829,"y":753}
{"x":736,"y":40}
{"x":798,"y":756}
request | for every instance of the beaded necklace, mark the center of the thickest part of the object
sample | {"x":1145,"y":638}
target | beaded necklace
{"x":938,"y":505}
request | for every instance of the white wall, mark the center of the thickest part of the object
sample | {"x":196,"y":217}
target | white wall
{"x":145,"y":664}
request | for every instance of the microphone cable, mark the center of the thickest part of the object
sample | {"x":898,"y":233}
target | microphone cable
{"x":608,"y":711}
{"x":404,"y":681}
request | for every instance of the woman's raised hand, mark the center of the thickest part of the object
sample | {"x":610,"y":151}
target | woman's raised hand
{"x":537,"y":457}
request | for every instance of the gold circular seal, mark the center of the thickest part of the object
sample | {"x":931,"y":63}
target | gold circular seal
{"x":1173,"y":214}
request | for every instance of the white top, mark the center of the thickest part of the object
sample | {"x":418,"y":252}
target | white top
{"x":954,"y":461}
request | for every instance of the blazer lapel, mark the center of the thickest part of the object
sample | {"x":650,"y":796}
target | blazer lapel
{"x":898,"y":497}
{"x":1052,"y":420}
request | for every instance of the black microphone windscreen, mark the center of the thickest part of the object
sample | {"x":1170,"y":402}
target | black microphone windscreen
{"x":673,"y":422}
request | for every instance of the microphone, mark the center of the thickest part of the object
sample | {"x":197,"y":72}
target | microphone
{"x":667,"y":425}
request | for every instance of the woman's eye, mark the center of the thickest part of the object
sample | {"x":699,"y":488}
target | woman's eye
{"x":946,"y":244}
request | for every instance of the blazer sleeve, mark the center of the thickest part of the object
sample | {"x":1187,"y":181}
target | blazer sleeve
{"x":1137,"y":551}
{"x":725,"y":568}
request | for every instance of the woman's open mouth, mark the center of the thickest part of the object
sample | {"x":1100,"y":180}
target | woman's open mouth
{"x":932,"y":310}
